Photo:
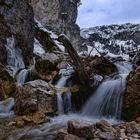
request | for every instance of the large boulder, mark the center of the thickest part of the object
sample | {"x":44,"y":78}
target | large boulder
{"x":46,"y":69}
{"x":33,"y":97}
{"x":131,"y":106}
{"x":17,"y":20}
{"x":99,"y":65}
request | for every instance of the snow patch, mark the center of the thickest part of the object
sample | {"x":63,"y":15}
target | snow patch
{"x":38,"y":48}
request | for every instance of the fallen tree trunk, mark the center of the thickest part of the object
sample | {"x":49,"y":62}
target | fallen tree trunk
{"x":79,"y":67}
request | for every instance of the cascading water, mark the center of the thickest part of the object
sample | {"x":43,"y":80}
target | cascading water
{"x":64,"y":103}
{"x":22,"y":76}
{"x":61,"y":83}
{"x":107,"y":100}
{"x":38,"y":50}
{"x":14,"y":57}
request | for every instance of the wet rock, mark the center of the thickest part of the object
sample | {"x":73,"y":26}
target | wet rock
{"x":104,"y":126}
{"x":18,"y":20}
{"x":132,"y":128}
{"x":46,"y":69}
{"x":81,"y":129}
{"x":107,"y":136}
{"x":131,"y":105}
{"x":61,"y":134}
{"x":72,"y":137}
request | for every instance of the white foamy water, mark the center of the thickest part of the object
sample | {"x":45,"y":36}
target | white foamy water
{"x":22,"y":76}
{"x":61,"y":83}
{"x":107,"y":100}
{"x":14,"y":57}
{"x":64,"y":103}
{"x":6,"y":107}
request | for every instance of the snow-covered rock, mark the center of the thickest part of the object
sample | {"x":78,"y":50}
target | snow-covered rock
{"x":115,"y":40}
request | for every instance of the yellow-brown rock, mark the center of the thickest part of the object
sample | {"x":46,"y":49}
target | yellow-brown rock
{"x":7,"y":84}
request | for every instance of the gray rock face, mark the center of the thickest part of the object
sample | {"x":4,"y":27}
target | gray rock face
{"x":17,"y":19}
{"x":60,"y":16}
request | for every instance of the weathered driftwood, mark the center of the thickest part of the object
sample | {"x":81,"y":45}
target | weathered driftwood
{"x":83,"y":76}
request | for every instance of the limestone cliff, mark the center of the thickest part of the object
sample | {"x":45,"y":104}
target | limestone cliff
{"x":59,"y":16}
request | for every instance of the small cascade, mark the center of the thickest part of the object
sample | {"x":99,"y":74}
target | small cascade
{"x":64,"y":101}
{"x":14,"y":57}
{"x":107,"y":100}
{"x":6,"y":107}
{"x":61,"y":83}
{"x":22,"y":76}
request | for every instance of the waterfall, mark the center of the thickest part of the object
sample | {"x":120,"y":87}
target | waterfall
{"x":107,"y":100}
{"x":22,"y":76}
{"x":60,"y":103}
{"x":14,"y":57}
{"x":64,"y":101}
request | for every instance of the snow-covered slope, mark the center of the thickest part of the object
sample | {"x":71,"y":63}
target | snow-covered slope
{"x":115,"y":39}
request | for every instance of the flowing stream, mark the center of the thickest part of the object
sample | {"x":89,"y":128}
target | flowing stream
{"x":14,"y":57}
{"x":105,"y":103}
{"x":64,"y":99}
{"x":22,"y":76}
{"x":107,"y":100}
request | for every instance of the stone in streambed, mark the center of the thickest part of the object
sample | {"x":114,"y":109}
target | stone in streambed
{"x":104,"y":126}
{"x":72,"y":137}
{"x":34,"y":96}
{"x":81,"y":129}
{"x":107,"y":136}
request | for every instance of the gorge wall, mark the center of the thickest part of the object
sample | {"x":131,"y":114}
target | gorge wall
{"x":17,"y":21}
{"x":59,"y":16}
